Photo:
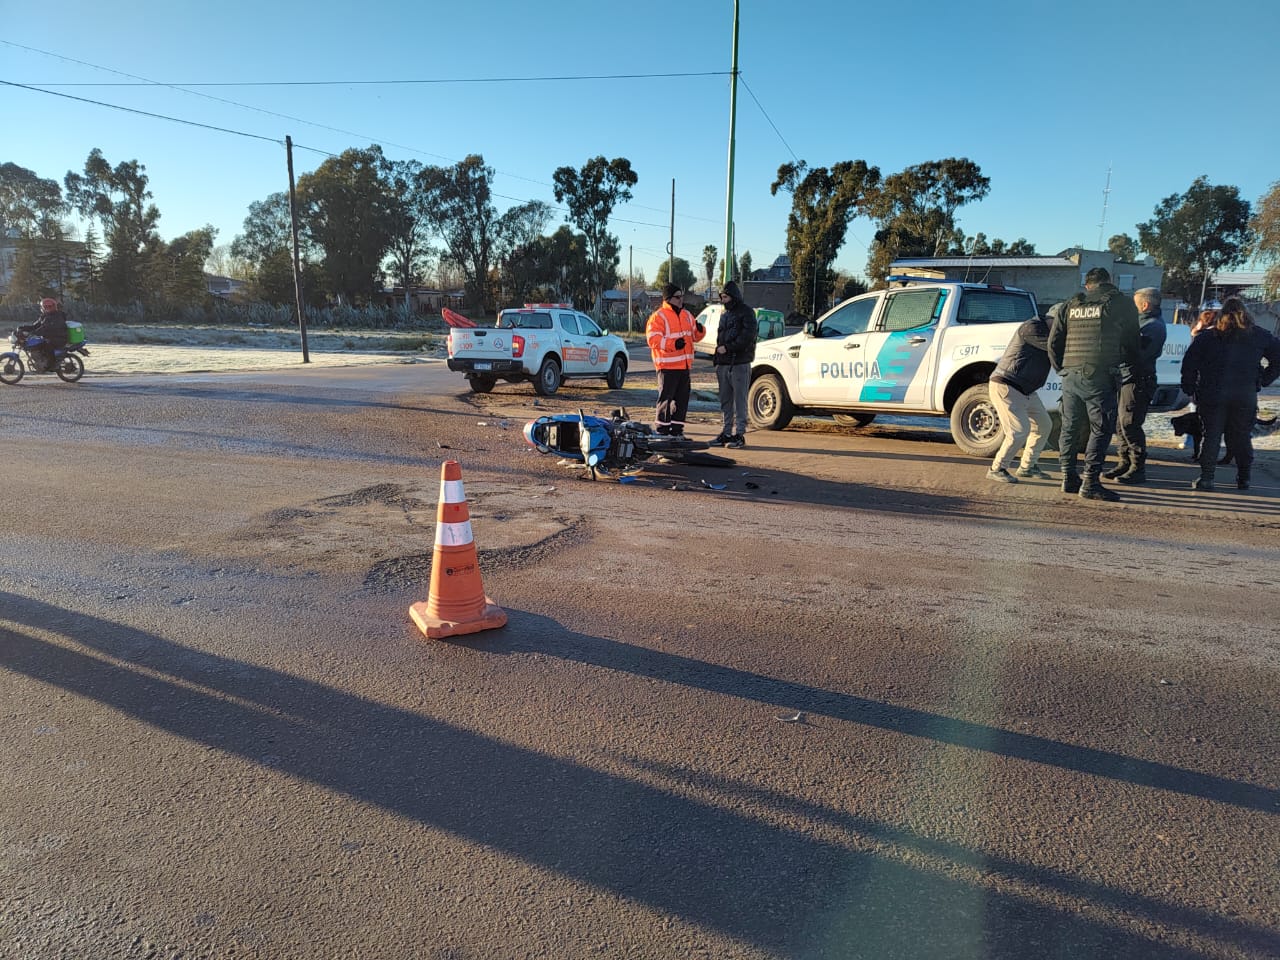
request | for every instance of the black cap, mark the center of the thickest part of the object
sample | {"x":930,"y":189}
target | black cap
{"x":669,"y":290}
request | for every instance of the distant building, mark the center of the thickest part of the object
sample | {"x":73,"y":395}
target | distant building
{"x":222,"y":288}
{"x":771,"y":287}
{"x":65,"y":261}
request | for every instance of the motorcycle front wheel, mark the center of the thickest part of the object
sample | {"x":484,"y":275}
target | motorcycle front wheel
{"x":11,"y":369}
{"x":70,"y":368}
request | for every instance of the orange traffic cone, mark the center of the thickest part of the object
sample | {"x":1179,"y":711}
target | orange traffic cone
{"x":456,"y":603}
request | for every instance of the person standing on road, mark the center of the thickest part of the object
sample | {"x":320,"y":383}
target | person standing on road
{"x":1137,"y":388}
{"x":671,"y":334}
{"x":1013,"y":388}
{"x":1223,"y":371}
{"x":1095,"y":333}
{"x":735,"y":349}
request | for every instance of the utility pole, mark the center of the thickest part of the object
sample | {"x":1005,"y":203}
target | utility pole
{"x":630,"y":271}
{"x":733,"y":124}
{"x":1106,"y":192}
{"x":297,"y":268}
{"x":671,"y":243}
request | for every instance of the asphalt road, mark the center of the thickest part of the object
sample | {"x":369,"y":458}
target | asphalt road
{"x":859,"y":703}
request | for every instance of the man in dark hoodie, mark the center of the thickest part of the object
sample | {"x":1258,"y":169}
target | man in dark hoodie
{"x":1095,"y":333}
{"x":735,"y":349}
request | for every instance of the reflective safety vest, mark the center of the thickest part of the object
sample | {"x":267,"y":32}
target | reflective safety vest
{"x":664,"y":328}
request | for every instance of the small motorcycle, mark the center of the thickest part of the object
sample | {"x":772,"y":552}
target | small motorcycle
{"x":609,"y":446}
{"x":66,"y":360}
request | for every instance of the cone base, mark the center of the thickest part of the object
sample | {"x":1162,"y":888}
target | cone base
{"x":434,"y":628}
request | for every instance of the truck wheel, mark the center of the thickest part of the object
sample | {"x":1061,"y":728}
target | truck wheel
{"x":617,"y":373}
{"x":768,"y":406}
{"x":548,"y":380}
{"x":853,"y":419}
{"x":975,"y":425}
{"x":482,"y":384}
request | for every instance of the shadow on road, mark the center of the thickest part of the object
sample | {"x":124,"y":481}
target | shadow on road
{"x":788,"y":893}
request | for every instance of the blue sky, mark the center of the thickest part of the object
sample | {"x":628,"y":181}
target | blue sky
{"x":1044,"y":97}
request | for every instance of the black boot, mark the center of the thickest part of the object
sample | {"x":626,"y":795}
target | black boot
{"x":1092,"y":489}
{"x":1070,"y":481}
{"x":1137,"y":472}
{"x":1120,"y":469}
{"x":1242,"y":477}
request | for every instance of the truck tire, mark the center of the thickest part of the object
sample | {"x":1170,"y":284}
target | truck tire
{"x":768,"y":406}
{"x":482,"y":384}
{"x":617,"y":375}
{"x":854,"y":419}
{"x":975,"y":425}
{"x":547,"y":381}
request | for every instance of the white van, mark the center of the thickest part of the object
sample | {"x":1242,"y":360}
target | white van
{"x":769,"y":324}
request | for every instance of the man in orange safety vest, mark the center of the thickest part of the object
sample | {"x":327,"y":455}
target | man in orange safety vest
{"x":671,"y":333}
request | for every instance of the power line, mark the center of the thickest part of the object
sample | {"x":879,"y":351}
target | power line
{"x":157,"y":116}
{"x":767,"y":117}
{"x":145,"y":81}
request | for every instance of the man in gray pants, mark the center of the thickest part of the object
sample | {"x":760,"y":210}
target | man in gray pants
{"x":735,"y":349}
{"x":1095,"y":333}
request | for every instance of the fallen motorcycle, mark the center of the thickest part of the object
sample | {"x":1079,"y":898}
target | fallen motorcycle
{"x":22,"y":359}
{"x":613,"y":445}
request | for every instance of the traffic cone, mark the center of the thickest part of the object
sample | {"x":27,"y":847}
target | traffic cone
{"x":456,"y":603}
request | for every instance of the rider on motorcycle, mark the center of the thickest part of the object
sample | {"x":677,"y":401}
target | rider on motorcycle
{"x":52,"y":327}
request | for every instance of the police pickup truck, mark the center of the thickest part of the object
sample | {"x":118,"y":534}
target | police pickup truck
{"x":919,"y":348}
{"x":545,"y":343}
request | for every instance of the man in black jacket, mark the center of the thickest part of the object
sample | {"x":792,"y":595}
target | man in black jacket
{"x":1013,"y":387}
{"x":1137,"y":388}
{"x":52,"y":327}
{"x":735,"y":349}
{"x":1095,"y":334}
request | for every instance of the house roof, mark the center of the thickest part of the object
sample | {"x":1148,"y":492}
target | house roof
{"x":1238,"y":279}
{"x":943,"y":262}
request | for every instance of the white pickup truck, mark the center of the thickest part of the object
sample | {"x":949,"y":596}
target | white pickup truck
{"x":920,"y":348}
{"x":545,"y":343}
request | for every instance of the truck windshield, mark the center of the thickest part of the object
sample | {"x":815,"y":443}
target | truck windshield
{"x":524,"y":320}
{"x":995,"y":306}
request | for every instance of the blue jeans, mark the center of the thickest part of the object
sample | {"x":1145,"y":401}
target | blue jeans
{"x":1092,"y":399}
{"x":733,"y":379}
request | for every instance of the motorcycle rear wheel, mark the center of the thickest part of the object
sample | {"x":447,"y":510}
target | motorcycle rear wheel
{"x":11,"y":370}
{"x":69,"y":368}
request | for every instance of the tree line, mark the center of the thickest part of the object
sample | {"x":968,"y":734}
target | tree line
{"x":1191,"y":235}
{"x":365,"y":221}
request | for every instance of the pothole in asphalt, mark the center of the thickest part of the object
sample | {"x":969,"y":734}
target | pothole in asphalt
{"x":386,"y":531}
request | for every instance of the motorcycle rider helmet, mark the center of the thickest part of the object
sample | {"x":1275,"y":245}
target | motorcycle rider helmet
{"x":48,"y":305}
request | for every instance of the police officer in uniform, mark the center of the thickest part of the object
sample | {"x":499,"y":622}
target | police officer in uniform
{"x":1095,"y":333}
{"x":1137,"y":388}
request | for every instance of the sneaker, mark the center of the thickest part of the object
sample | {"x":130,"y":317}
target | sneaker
{"x":1031,"y":473}
{"x":1001,"y":475}
{"x":721,"y":438}
{"x":736,"y":442}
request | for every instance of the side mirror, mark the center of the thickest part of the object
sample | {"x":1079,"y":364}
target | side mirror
{"x":811,"y":328}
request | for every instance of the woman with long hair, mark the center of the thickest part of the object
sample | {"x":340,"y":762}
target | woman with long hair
{"x":1207,"y":320}
{"x":1223,"y":371}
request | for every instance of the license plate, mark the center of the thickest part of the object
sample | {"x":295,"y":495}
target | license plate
{"x":484,"y":366}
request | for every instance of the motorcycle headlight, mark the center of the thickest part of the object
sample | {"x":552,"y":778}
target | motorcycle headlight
{"x":13,"y":340}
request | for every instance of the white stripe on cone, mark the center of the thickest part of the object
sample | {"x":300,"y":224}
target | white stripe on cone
{"x":453,"y":534}
{"x":451,"y":491}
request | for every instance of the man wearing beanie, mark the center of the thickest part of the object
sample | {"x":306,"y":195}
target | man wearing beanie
{"x":735,"y":349}
{"x":671,"y":334}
